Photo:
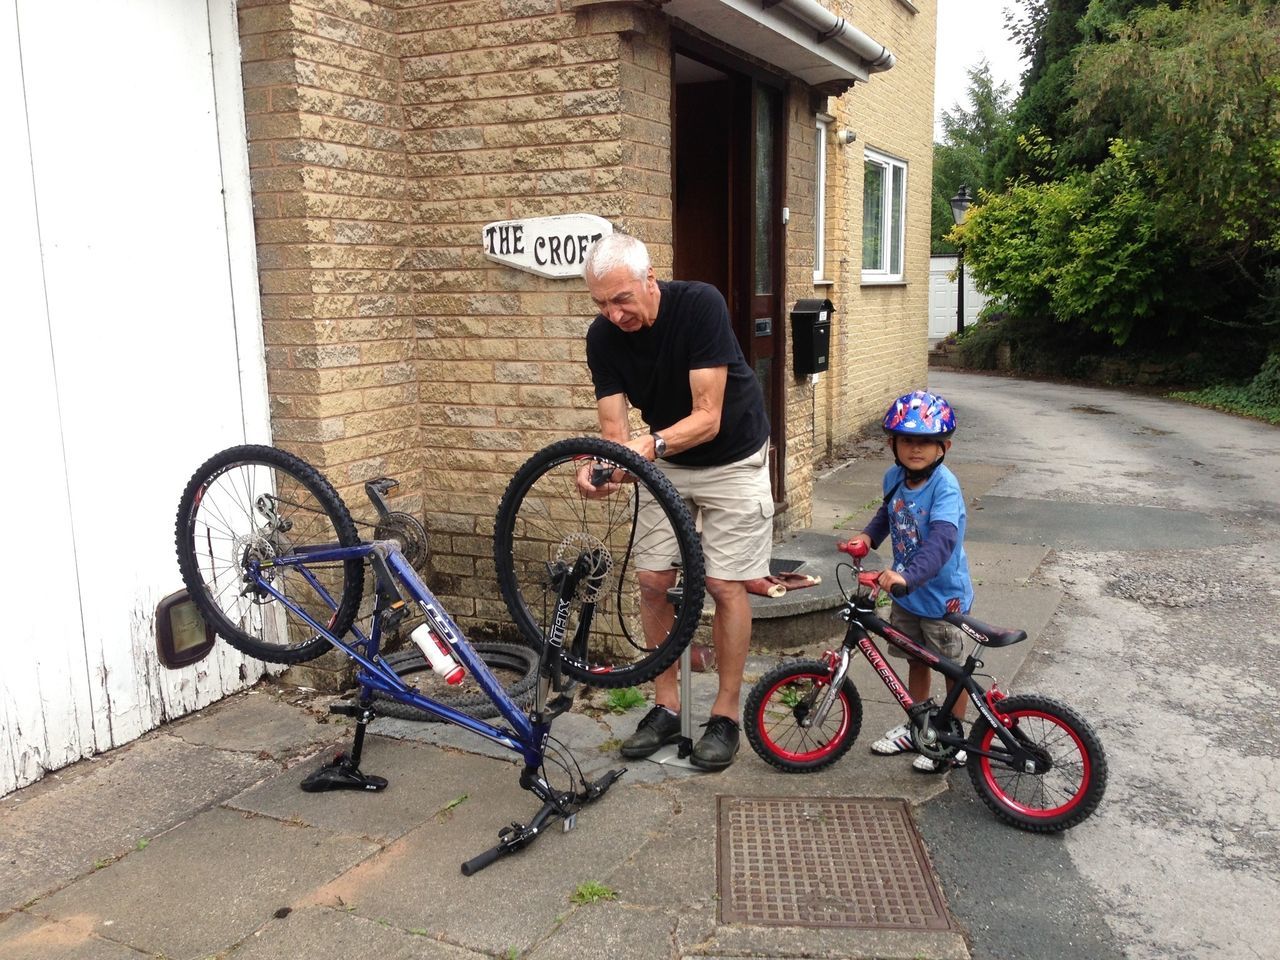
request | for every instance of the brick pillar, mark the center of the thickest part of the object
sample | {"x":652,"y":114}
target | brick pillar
{"x":331,"y":211}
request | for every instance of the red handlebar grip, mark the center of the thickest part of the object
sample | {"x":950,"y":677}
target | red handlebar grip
{"x":855,"y":548}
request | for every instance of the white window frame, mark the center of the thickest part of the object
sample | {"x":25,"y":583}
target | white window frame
{"x":886,"y":166}
{"x":820,"y":200}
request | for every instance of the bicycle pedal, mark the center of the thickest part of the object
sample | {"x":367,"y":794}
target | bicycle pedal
{"x":346,"y":709}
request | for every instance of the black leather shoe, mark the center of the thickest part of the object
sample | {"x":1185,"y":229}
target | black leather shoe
{"x":718,"y":745}
{"x":656,"y":729}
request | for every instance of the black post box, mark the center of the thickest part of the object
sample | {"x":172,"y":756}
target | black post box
{"x":810,"y":336}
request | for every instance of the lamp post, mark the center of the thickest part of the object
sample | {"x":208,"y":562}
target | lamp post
{"x":960,"y":204}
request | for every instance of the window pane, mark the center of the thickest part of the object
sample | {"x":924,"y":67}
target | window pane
{"x":819,"y":202}
{"x":872,"y":216}
{"x":895,"y":220}
{"x":765,"y":100}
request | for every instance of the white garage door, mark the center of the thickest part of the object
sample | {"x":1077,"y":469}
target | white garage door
{"x":942,"y":298}
{"x":133,"y":350}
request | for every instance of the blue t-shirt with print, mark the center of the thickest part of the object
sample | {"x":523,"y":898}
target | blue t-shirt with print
{"x":909,"y":513}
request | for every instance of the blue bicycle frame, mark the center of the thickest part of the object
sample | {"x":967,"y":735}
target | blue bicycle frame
{"x":526,"y":737}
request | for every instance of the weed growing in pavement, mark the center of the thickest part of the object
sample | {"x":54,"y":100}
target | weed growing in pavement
{"x":593,"y":892}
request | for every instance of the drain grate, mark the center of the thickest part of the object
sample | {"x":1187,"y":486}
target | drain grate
{"x":824,"y":862}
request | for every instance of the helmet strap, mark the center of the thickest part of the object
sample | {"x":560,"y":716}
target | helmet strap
{"x":915,"y":476}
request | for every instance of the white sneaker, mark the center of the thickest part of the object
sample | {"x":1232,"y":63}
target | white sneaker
{"x":897,"y":740}
{"x":929,"y":765}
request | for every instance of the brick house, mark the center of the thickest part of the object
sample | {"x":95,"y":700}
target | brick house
{"x":772,"y":148}
{"x":383,"y":137}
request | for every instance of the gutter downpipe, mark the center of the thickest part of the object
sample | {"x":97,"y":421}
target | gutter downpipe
{"x":831,"y":27}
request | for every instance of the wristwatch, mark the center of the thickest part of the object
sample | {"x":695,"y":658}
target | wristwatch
{"x":659,"y":446}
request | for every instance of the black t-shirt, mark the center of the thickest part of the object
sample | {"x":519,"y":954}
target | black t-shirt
{"x":651,"y":366}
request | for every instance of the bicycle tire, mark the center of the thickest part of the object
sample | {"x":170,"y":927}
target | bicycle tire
{"x":543,"y":519}
{"x":777,"y":706}
{"x":516,"y":667}
{"x":220,"y":527}
{"x":1067,"y":793}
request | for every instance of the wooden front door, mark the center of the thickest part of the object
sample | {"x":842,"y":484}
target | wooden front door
{"x":729,"y":154}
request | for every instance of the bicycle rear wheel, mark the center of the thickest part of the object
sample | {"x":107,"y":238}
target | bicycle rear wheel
{"x":545,"y":528}
{"x":245,"y":508}
{"x":515,"y":666}
{"x":1072,"y":774}
{"x":779,"y":717}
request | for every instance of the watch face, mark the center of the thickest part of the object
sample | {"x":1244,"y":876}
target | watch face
{"x":659,"y":446}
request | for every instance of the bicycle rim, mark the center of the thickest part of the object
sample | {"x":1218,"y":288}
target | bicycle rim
{"x":246,"y":509}
{"x":546,"y":528}
{"x":785,"y":710}
{"x":1048,"y":796}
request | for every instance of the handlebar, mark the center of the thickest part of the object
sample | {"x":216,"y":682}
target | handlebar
{"x":857,"y":549}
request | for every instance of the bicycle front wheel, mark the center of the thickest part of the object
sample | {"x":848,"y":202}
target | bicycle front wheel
{"x":619,"y":628}
{"x":243,"y":510}
{"x":1071,"y":773}
{"x":780,"y":717}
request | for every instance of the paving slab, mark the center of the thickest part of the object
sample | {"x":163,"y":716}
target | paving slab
{"x":204,"y":885}
{"x":27,"y":938}
{"x":102,"y":808}
{"x":423,"y":782}
{"x":321,"y":933}
{"x":415,"y":883}
{"x":261,"y":723}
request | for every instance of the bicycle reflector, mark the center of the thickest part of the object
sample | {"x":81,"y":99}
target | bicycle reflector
{"x":182,"y":636}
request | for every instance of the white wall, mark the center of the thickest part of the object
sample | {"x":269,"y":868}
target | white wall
{"x":133,"y":352}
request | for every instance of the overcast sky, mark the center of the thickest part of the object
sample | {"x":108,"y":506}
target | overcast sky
{"x":967,"y":31}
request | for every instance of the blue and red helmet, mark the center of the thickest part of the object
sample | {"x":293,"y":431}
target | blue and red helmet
{"x":920,"y":414}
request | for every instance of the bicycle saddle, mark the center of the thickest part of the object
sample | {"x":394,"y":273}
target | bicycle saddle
{"x":984,"y":633}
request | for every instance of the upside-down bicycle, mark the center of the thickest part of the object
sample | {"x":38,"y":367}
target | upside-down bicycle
{"x":272,"y":559}
{"x":1035,"y":762}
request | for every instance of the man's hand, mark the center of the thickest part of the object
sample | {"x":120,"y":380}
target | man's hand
{"x":598,"y":479}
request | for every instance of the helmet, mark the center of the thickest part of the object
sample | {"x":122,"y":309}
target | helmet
{"x":920,"y":414}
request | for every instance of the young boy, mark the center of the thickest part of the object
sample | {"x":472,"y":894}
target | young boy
{"x":923,"y":512}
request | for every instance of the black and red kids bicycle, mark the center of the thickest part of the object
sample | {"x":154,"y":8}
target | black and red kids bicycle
{"x":1035,"y":762}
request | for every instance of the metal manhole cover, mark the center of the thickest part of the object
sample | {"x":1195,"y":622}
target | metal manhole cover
{"x":824,"y":862}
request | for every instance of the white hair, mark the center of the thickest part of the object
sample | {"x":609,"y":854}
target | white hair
{"x":616,"y":250}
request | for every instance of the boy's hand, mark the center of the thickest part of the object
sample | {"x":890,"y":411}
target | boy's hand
{"x":888,"y":578}
{"x":863,"y":539}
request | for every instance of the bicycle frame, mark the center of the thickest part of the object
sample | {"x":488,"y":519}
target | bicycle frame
{"x":526,"y":737}
{"x":863,"y":622}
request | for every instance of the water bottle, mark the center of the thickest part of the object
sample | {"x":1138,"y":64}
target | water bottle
{"x":438,"y":654}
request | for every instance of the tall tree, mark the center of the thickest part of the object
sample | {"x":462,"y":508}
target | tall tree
{"x":970,"y":132}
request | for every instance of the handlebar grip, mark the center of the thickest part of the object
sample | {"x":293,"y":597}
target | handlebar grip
{"x":476,"y":864}
{"x":855,"y":548}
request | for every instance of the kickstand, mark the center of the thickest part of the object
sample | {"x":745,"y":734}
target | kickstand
{"x":344,"y":773}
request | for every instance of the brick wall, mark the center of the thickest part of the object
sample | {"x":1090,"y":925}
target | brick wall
{"x":384,"y":135}
{"x":880,"y":338}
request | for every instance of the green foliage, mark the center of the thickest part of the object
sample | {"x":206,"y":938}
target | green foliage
{"x":593,"y":892}
{"x":964,"y":156}
{"x":1259,"y":398}
{"x":1195,"y":91}
{"x":622,"y":700}
{"x":1083,"y":250}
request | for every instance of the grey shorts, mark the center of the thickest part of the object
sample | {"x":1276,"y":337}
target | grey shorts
{"x":937,"y":636}
{"x":732,"y":507}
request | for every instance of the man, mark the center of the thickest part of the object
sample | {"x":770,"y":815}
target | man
{"x":668,"y":349}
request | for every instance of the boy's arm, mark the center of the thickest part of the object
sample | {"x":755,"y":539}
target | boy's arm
{"x":875,"y":531}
